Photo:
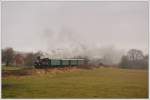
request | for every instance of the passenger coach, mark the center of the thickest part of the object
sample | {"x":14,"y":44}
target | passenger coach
{"x":46,"y":62}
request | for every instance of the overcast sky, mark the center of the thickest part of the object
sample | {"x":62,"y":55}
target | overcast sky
{"x":33,"y":26}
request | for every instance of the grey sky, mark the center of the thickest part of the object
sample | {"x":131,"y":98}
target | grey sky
{"x":33,"y":26}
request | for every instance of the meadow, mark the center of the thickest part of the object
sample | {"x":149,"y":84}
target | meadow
{"x":92,"y":83}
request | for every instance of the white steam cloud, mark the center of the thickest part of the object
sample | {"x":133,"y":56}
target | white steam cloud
{"x":65,"y":44}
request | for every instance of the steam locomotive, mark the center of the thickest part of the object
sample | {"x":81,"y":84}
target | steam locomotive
{"x":50,"y":63}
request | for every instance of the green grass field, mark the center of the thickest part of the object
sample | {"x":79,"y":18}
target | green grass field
{"x":97,"y":83}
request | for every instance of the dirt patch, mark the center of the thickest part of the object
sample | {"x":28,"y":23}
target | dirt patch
{"x":15,"y":73}
{"x":56,"y":70}
{"x":28,"y":72}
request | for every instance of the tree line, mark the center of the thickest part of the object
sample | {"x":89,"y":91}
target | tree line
{"x":10,"y":57}
{"x":132,"y":59}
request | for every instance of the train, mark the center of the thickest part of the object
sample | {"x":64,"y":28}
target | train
{"x":51,"y":63}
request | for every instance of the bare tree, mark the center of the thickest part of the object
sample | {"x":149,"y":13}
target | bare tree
{"x":19,"y":59}
{"x":29,"y":59}
{"x":145,"y":61}
{"x":124,"y":62}
{"x":134,"y":59}
{"x":7,"y":56}
{"x":134,"y":55}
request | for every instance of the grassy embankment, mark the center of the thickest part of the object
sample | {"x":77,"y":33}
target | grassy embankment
{"x":97,"y":83}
